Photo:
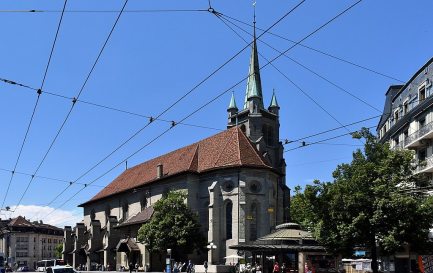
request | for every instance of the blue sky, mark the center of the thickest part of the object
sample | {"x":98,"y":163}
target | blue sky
{"x":154,"y":58}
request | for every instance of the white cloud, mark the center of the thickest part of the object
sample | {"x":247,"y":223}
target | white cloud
{"x":47,"y":214}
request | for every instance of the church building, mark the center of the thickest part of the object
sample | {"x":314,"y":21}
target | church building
{"x":234,"y":180}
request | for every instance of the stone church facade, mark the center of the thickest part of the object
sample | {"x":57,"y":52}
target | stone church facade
{"x":235,"y":181}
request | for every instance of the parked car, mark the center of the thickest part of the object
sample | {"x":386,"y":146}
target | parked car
{"x":61,"y":269}
{"x":23,"y":269}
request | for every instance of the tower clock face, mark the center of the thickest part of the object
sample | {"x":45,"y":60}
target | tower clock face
{"x":255,"y":187}
{"x":228,"y":186}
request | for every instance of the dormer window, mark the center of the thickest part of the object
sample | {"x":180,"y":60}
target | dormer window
{"x":405,"y":107}
{"x":396,"y":115}
{"x":421,"y":93}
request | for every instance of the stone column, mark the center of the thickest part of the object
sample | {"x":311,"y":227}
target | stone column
{"x":301,"y":262}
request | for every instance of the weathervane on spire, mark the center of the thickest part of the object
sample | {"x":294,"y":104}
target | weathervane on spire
{"x":254,"y":9}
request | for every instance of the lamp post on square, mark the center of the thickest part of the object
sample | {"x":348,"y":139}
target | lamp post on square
{"x":211,"y":246}
{"x":168,"y":261}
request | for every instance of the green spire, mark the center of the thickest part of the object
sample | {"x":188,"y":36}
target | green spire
{"x":232,"y":104}
{"x":274,"y":102}
{"x":254,"y":84}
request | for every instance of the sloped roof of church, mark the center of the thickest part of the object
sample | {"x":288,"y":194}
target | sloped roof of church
{"x":230,"y":148}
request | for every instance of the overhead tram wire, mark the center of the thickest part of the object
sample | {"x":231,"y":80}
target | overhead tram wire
{"x":108,"y":107}
{"x":39,"y":92}
{"x":318,"y":51}
{"x":286,"y":77}
{"x":294,"y":141}
{"x":321,"y":141}
{"x":203,"y":106}
{"x":73,"y":101}
{"x":300,"y":64}
{"x":186,"y":124}
{"x":48,"y":178}
{"x":180,"y":99}
{"x":215,"y":98}
{"x":104,"y":11}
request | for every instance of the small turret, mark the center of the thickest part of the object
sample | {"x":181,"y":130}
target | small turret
{"x":232,"y":110}
{"x":274,"y":107}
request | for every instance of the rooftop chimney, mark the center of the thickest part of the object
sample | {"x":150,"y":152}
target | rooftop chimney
{"x":159,"y":171}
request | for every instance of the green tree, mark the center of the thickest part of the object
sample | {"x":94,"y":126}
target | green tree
{"x":58,"y":251}
{"x":172,"y":226}
{"x":374,"y":201}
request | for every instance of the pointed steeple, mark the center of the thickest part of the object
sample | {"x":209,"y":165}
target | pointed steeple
{"x":274,"y":102}
{"x":254,"y":84}
{"x":232,"y":104}
{"x":274,"y":107}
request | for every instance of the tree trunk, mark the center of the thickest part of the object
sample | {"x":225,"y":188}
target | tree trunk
{"x":374,"y":264}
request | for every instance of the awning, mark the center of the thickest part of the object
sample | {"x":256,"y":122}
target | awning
{"x":138,"y":219}
{"x":276,"y":247}
{"x":127,"y":245}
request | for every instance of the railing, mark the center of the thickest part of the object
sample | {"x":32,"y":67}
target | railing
{"x":424,"y":164}
{"x":418,"y":134}
{"x":399,"y":146}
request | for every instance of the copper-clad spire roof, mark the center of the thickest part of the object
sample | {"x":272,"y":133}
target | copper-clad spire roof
{"x":254,"y":84}
{"x":274,"y":102}
{"x":232,"y":104}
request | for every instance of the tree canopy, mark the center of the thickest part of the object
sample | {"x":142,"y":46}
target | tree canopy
{"x":58,"y":251}
{"x":172,"y":226}
{"x":373,"y":201}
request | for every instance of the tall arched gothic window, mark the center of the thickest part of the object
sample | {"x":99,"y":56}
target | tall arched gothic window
{"x":229,"y":220}
{"x":125,"y":209}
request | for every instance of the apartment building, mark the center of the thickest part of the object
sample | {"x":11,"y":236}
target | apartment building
{"x":407,"y":119}
{"x":24,"y":242}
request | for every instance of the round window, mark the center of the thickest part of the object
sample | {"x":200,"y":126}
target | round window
{"x":228,"y":186}
{"x":255,"y":187}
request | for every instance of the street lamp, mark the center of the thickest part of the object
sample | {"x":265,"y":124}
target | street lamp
{"x":211,"y":246}
{"x":168,"y":261}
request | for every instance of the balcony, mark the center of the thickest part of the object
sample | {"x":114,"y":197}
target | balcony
{"x":415,"y":139}
{"x":425,"y":166}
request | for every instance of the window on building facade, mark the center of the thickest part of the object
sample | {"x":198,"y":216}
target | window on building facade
{"x":396,"y":141}
{"x":143,"y":202}
{"x":421,"y":93}
{"x":405,"y":107}
{"x":396,"y":115}
{"x":421,"y":123}
{"x":422,"y":154}
{"x":229,"y":220}
{"x":107,"y":211}
{"x":125,"y":210}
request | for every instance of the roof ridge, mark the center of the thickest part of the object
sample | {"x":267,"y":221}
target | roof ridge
{"x":222,"y":150}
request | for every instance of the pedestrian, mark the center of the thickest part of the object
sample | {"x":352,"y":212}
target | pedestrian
{"x":176,"y":268}
{"x":189,"y":267}
{"x":283,"y":268}
{"x":205,"y":266}
{"x":276,"y":268}
{"x":131,"y":267}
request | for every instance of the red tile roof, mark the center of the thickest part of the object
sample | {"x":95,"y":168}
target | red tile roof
{"x":23,"y":222}
{"x":228,"y":149}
